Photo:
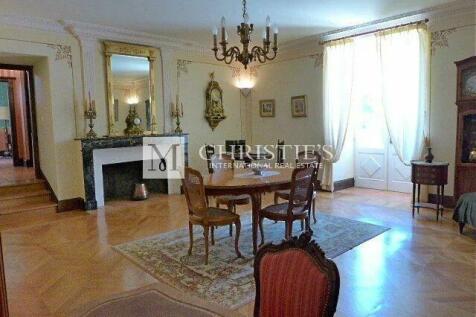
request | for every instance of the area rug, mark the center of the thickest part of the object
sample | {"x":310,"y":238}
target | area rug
{"x":228,"y":280}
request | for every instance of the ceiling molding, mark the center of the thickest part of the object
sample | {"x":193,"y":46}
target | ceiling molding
{"x":99,"y":32}
{"x":454,"y":9}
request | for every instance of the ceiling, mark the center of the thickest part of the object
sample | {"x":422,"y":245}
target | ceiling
{"x":193,"y":20}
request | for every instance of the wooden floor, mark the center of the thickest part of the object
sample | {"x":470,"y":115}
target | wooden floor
{"x":10,"y":175}
{"x":57,"y":262}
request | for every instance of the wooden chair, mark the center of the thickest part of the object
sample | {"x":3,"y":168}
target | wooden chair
{"x":299,"y":203}
{"x":304,"y":158}
{"x":295,"y":279}
{"x":222,"y":162}
{"x":201,"y":214}
{"x":280,"y":152}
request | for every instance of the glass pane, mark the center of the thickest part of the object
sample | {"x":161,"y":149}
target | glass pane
{"x":468,"y":137}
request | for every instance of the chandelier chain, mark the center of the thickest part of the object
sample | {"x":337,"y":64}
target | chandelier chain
{"x":245,"y":13}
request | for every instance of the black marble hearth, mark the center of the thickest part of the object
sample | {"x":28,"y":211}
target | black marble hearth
{"x":89,"y":145}
{"x":120,"y":179}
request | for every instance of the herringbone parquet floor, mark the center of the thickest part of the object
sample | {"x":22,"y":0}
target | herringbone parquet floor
{"x":57,"y":262}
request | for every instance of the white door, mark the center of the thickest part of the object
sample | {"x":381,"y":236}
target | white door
{"x":399,"y":174}
{"x":371,"y":143}
{"x":377,"y":166}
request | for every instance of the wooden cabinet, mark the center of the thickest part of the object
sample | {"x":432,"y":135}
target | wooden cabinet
{"x":465,"y":164}
{"x":424,"y":173}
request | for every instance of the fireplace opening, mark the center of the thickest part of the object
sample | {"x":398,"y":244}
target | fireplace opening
{"x":120,"y":179}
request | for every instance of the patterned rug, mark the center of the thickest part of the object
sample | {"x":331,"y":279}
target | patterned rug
{"x":227,"y":280}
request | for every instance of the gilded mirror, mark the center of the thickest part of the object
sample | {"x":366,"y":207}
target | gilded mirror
{"x":130,"y":73}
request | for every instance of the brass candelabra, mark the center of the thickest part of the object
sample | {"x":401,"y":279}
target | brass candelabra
{"x":90,"y":114}
{"x":177,"y":113}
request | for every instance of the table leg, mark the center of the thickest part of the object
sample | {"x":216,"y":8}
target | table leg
{"x":437,"y":201}
{"x":418,"y":197}
{"x":256,"y":207}
{"x":442,"y":199}
{"x":413,"y":200}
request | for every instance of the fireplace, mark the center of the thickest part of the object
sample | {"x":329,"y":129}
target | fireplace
{"x":119,"y":180}
{"x":112,"y":165}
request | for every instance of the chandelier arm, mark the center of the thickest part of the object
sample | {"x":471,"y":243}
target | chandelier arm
{"x":220,"y":59}
{"x":231,"y":53}
{"x":259,"y":53}
{"x":269,"y":57}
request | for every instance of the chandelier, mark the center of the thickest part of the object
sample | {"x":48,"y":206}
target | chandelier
{"x":244,"y":30}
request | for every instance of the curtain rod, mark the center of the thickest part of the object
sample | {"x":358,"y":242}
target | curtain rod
{"x":374,"y":31}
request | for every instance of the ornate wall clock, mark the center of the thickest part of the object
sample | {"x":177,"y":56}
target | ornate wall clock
{"x":214,"y":112}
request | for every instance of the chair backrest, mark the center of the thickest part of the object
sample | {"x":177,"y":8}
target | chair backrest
{"x":280,"y":152}
{"x":209,"y":151}
{"x":194,"y":190}
{"x":295,"y":279}
{"x":309,"y":157}
{"x":302,"y":187}
{"x":235,"y":145}
{"x":221,"y":162}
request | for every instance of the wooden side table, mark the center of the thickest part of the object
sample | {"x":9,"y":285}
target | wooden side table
{"x":423,"y":173}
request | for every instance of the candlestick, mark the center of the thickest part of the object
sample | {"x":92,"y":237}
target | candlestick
{"x":90,"y":114}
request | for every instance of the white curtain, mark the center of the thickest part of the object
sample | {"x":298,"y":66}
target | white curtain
{"x":403,"y":63}
{"x":338,"y":81}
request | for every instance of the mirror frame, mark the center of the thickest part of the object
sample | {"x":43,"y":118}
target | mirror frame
{"x":111,"y":48}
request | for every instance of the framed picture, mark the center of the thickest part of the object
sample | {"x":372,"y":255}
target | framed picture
{"x":298,"y":106}
{"x":266,"y":108}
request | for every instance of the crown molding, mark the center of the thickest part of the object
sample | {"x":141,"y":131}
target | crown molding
{"x":89,"y":31}
{"x":434,"y":14}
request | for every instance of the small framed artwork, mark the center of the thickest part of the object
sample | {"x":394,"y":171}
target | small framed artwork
{"x":298,"y":106}
{"x":266,"y":108}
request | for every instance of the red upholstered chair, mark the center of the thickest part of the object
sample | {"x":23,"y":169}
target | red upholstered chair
{"x":295,"y":279}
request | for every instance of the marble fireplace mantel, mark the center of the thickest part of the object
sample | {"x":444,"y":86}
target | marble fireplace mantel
{"x":112,"y":150}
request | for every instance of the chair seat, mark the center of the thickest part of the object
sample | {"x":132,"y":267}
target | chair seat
{"x":280,"y":212}
{"x":234,"y":199}
{"x":214,"y":216}
{"x":284,"y":194}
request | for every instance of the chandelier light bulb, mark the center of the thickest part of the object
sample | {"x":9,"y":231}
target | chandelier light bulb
{"x":226,"y":35}
{"x":268,"y":21}
{"x":223,"y":22}
{"x":246,"y":18}
{"x":264,"y":35}
{"x":275,"y":29}
{"x":215,"y":30}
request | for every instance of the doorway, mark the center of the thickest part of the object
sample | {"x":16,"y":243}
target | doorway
{"x":19,"y":162}
{"x":377,"y":165}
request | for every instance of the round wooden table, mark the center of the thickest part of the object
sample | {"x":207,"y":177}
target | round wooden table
{"x":243,"y":181}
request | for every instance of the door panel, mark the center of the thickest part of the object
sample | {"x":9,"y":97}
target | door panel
{"x":371,"y":171}
{"x":399,"y":174}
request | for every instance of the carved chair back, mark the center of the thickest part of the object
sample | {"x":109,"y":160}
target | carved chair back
{"x":209,"y":151}
{"x":309,"y":157}
{"x":302,"y":188}
{"x":280,"y":152}
{"x":295,"y":279}
{"x":194,"y":190}
{"x":221,"y":162}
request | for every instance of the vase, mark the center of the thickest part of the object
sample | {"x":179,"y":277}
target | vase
{"x":429,"y":156}
{"x":472,"y":156}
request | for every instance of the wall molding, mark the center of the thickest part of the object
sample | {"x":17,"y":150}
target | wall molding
{"x":344,"y":184}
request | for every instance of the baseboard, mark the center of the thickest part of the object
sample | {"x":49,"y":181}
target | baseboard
{"x":448,"y":201}
{"x":344,"y":183}
{"x":70,"y":204}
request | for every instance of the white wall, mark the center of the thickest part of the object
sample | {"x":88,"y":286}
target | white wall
{"x":193,"y":85}
{"x":281,"y":81}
